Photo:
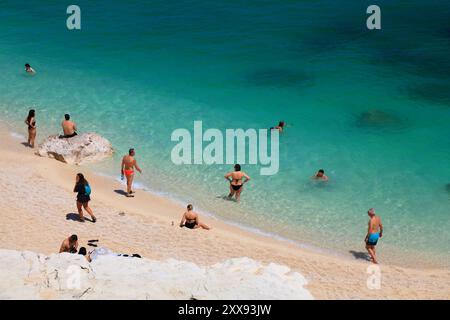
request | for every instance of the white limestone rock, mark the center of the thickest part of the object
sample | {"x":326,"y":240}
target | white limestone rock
{"x":83,"y":148}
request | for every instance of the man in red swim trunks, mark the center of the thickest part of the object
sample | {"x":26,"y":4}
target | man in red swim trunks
{"x":127,"y":170}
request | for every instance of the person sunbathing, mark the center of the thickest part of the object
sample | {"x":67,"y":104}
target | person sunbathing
{"x":190,"y":219}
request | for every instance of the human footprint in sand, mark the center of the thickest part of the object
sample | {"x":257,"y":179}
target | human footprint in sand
{"x":190,"y":219}
{"x":70,"y":244}
{"x":235,"y":179}
{"x":127,"y":169}
{"x":374,"y":232}
{"x":83,"y":189}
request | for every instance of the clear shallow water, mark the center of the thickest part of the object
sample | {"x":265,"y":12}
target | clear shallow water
{"x":135,"y":72}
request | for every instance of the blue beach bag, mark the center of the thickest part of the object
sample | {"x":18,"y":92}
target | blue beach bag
{"x":87,"y":190}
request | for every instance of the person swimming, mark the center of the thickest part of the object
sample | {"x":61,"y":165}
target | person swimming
{"x":29,"y":69}
{"x":279,"y":127}
{"x":374,"y":233}
{"x":320,"y":175}
{"x":69,"y":127}
{"x":190,"y":219}
{"x":127,"y":169}
{"x":30,"y":121}
{"x":236,"y":182}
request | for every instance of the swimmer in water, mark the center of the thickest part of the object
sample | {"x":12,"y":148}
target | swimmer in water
{"x":279,"y":127}
{"x":320,"y":175}
{"x":235,"y":179}
{"x":29,"y":69}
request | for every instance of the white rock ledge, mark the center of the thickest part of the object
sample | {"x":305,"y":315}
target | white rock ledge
{"x":83,"y":148}
{"x":27,"y":275}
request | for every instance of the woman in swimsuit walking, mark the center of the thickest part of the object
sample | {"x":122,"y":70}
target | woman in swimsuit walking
{"x":30,"y":121}
{"x":190,"y":219}
{"x":235,"y":179}
{"x":83,"y":197}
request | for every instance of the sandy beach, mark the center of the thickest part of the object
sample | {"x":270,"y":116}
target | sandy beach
{"x":38,"y":212}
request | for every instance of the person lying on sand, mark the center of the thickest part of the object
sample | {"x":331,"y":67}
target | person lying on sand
{"x":69,"y":127}
{"x":374,"y":232}
{"x":320,"y":175}
{"x":236,"y":182}
{"x":190,"y":219}
{"x":127,"y":169}
{"x":83,"y":190}
{"x":29,"y":69}
{"x":70,"y":244}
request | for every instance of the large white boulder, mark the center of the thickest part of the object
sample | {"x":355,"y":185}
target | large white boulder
{"x":27,"y":275}
{"x":86,"y":147}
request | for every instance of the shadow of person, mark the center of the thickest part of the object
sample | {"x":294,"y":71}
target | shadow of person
{"x":121,"y":192}
{"x":360,"y":255}
{"x":75,"y":217}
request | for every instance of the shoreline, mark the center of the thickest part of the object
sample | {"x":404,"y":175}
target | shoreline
{"x":339,"y":253}
{"x":146,"y":228}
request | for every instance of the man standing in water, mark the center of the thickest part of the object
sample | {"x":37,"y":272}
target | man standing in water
{"x":374,"y":232}
{"x":236,"y":182}
{"x":69,"y":127}
{"x":127,"y":170}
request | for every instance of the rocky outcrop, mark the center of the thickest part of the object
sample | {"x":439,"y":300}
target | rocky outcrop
{"x":87,"y":147}
{"x":27,"y":275}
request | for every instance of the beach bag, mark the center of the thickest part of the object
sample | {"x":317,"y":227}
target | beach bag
{"x":87,"y":190}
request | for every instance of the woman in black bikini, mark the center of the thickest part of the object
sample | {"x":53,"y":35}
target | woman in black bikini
{"x":236,"y":182}
{"x":30,"y":121}
{"x":83,"y":197}
{"x":190,"y":219}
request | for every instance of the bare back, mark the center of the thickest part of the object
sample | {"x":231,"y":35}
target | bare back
{"x":69,"y":127}
{"x":190,"y":215}
{"x":374,"y":224}
{"x":237,"y":177}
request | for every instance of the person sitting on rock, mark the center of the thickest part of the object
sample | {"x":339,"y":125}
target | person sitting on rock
{"x":69,"y":127}
{"x":70,"y":244}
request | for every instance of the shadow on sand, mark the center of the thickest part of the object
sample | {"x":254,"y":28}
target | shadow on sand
{"x":360,"y":255}
{"x":75,"y":217}
{"x":121,"y":192}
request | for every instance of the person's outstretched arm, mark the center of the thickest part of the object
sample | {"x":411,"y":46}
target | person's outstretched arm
{"x":183,"y":219}
{"x":63,"y":247}
{"x":381,"y":229}
{"x":227,"y":176}
{"x":137,"y":167}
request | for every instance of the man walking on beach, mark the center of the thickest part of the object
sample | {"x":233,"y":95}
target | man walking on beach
{"x":69,"y":127}
{"x":127,"y":170}
{"x":374,"y":232}
{"x":70,"y":244}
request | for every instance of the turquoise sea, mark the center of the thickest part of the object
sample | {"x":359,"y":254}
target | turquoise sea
{"x":372,"y":108}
